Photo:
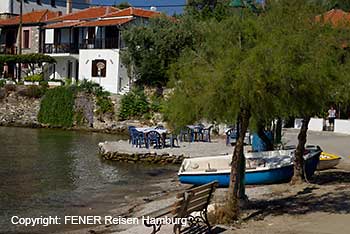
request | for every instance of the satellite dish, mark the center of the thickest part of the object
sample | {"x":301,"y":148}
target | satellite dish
{"x":153,"y":8}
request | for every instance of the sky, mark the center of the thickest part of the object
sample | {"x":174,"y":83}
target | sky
{"x":157,"y":3}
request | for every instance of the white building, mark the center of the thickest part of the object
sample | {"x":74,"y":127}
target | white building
{"x":86,"y":45}
{"x":12,"y":7}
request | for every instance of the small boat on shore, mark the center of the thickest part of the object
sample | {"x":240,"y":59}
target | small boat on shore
{"x":328,"y":161}
{"x":269,"y":167}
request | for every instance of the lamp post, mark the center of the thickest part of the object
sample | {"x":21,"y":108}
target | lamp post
{"x":20,"y":38}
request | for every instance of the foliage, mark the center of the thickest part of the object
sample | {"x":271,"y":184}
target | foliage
{"x":34,"y":78}
{"x":123,"y":5}
{"x":44,"y":84}
{"x":255,"y":68}
{"x":32,"y":91}
{"x":10,"y":87}
{"x":206,"y":9}
{"x":27,"y":59}
{"x":92,"y":88}
{"x":153,"y":47}
{"x":57,"y":107}
{"x":133,"y":105}
{"x":105,"y":105}
{"x":2,"y":83}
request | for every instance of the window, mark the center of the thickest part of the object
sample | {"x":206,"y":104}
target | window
{"x":25,"y":39}
{"x":99,"y":67}
{"x":53,"y":3}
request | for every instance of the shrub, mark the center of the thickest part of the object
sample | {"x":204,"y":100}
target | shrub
{"x":34,"y":91}
{"x":105,"y":105}
{"x":57,"y":107}
{"x":134,"y":104}
{"x":2,"y":83}
{"x":10,"y":88}
{"x":34,"y":78}
{"x":44,"y":84}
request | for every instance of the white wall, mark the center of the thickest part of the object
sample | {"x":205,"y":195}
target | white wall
{"x":61,"y":69}
{"x":110,"y":82}
{"x":315,"y":124}
{"x":342,"y":126}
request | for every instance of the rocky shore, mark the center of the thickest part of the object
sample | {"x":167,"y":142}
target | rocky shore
{"x":17,"y":110}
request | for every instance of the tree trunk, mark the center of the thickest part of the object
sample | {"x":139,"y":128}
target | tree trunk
{"x":237,"y":183}
{"x":299,"y":153}
{"x":264,"y":138}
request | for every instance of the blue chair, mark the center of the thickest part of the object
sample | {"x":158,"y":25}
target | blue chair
{"x":197,"y":134}
{"x":130,"y":133}
{"x":206,"y":133}
{"x":153,"y":138}
{"x":171,"y":138}
{"x":231,"y":134}
{"x":186,"y":134}
{"x":137,"y":138}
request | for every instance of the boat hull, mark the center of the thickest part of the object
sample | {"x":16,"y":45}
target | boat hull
{"x":328,"y":164}
{"x":253,"y":177}
{"x":272,"y":176}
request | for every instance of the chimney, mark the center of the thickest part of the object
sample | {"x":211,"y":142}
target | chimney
{"x":69,"y":6}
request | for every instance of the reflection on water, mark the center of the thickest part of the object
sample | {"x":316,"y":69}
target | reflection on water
{"x":51,"y":172}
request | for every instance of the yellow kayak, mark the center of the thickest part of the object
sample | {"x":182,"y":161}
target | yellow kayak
{"x":328,"y":161}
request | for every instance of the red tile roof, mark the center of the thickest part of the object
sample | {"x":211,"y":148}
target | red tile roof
{"x":33,"y":17}
{"x":335,"y":16}
{"x":131,"y":11}
{"x":105,"y":22}
{"x":88,"y":13}
{"x":67,"y":24}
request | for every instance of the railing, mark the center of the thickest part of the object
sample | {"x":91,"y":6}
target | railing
{"x":109,"y":43}
{"x":73,"y":48}
{"x":8,"y":49}
{"x":60,"y":48}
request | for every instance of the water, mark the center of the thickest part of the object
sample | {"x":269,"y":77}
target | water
{"x":51,"y":172}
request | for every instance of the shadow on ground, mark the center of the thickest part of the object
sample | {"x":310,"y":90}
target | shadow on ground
{"x":332,"y":198}
{"x":331,"y":177}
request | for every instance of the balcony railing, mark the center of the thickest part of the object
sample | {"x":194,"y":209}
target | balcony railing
{"x":109,"y":43}
{"x":4,"y":49}
{"x":65,"y":48}
{"x":73,"y":48}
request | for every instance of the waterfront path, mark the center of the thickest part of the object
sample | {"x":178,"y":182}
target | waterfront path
{"x":319,"y":207}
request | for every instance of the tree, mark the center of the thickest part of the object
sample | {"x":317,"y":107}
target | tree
{"x":277,"y":64}
{"x":123,"y":5}
{"x":307,"y":58}
{"x":214,"y":80}
{"x":153,"y":47}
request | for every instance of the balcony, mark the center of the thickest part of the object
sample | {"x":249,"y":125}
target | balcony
{"x":109,"y":43}
{"x":63,"y":48}
{"x":5,"y":49}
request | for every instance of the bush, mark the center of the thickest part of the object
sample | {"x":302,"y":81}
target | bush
{"x":44,"y":84}
{"x":105,"y":105}
{"x":57,"y":107}
{"x":2,"y":83}
{"x":32,"y":91}
{"x":34,"y":78}
{"x":133,"y":105}
{"x":10,"y":88}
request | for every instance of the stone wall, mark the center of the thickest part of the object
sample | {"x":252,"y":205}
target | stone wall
{"x":152,"y":158}
{"x":16,"y":110}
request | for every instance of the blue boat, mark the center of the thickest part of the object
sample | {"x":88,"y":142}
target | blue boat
{"x":269,"y":167}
